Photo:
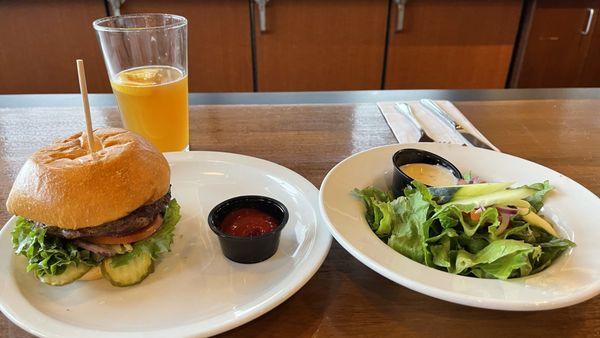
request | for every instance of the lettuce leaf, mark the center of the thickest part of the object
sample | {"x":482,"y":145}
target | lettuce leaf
{"x":504,"y":267}
{"x":450,"y":215}
{"x":537,"y":199}
{"x":384,"y":214}
{"x":550,"y":251}
{"x":441,"y":253}
{"x":498,"y":259}
{"x":47,"y":254}
{"x":425,"y":193}
{"x":156,"y":244}
{"x":375,"y":211}
{"x":410,"y":229}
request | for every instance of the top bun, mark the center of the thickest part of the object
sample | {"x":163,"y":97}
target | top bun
{"x":64,"y":186}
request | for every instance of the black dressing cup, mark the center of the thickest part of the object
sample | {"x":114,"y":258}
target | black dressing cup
{"x":252,"y":249}
{"x":405,"y":156}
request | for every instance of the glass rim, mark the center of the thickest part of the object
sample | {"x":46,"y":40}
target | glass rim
{"x":179,"y":21}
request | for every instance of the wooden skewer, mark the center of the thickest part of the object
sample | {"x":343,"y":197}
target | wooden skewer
{"x":86,"y":105}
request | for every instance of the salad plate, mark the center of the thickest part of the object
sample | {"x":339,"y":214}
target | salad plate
{"x":572,"y":278}
{"x":195,"y":290}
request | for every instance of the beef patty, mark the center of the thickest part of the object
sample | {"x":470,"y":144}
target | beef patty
{"x":136,"y":220}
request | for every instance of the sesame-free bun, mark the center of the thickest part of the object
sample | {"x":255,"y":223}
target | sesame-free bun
{"x":64,"y":186}
{"x":93,"y":274}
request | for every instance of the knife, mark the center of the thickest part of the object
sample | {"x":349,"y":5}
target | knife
{"x":437,"y":110}
{"x":405,"y":109}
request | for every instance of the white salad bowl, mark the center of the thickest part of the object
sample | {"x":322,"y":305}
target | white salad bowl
{"x":572,"y":278}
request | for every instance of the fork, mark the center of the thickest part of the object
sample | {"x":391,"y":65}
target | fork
{"x":441,"y":113}
{"x":407,"y":111}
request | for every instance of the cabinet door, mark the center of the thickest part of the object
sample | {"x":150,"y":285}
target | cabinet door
{"x":40,"y":41}
{"x":553,"y":48}
{"x":219,"y":41}
{"x":452,"y":44}
{"x":590,"y":76}
{"x":320,"y":45}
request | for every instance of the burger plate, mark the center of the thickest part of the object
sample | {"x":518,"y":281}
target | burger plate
{"x":195,"y":290}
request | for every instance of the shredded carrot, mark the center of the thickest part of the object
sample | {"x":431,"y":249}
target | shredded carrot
{"x":475,"y":215}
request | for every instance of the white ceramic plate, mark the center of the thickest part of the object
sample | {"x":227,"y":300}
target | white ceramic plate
{"x":571,"y":279}
{"x":195,"y":290}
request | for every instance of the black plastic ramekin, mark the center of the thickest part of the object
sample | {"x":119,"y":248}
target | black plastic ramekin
{"x":409,"y":155}
{"x":254,"y":249}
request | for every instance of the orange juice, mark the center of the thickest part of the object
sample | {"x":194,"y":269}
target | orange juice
{"x":154,"y":103}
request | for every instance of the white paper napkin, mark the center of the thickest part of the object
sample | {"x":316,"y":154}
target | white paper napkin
{"x":405,"y":131}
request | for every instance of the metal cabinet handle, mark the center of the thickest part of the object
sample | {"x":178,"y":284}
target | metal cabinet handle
{"x":114,"y":7}
{"x":588,"y":25}
{"x":401,"y":5}
{"x":262,"y":14}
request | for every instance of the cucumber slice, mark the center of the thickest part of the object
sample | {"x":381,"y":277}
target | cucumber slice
{"x":131,"y":273}
{"x":499,"y":197}
{"x":458,"y":192}
{"x":71,"y":274}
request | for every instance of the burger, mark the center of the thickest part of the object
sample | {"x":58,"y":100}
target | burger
{"x":84,"y":216}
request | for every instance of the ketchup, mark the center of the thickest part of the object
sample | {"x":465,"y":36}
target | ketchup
{"x":248,"y":222}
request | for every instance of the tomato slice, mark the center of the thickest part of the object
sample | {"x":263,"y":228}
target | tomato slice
{"x":132,"y":237}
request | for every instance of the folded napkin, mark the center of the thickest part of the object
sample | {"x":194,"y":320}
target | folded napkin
{"x":406,"y":132}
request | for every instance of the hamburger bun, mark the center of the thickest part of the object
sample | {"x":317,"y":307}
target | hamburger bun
{"x":94,"y":274}
{"x":63,"y":185}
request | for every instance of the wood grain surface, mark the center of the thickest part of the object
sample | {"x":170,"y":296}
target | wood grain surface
{"x":345,"y":298}
{"x":40,"y":41}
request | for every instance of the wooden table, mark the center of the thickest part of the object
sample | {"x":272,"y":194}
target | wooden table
{"x":345,"y":297}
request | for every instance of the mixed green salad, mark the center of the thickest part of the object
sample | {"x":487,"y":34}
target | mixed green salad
{"x":485,"y":230}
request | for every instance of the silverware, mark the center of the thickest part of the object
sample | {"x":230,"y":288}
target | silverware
{"x":436,"y":109}
{"x":405,"y":109}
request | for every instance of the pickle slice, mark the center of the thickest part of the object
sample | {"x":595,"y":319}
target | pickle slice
{"x":71,"y":274}
{"x":131,"y":273}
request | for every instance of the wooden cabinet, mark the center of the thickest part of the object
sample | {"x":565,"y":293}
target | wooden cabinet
{"x":590,"y":76}
{"x":311,"y":45}
{"x":219,"y":42}
{"x":320,"y":45}
{"x":554,"y":52}
{"x":452,"y":44}
{"x":40,"y":40}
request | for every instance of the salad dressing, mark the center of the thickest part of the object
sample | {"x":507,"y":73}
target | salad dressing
{"x":429,"y":174}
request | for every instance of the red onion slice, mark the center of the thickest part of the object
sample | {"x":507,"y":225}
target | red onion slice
{"x":504,"y":221}
{"x":507,"y":210}
{"x":95,"y":248}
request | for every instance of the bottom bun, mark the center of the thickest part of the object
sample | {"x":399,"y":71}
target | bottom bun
{"x":93,"y":274}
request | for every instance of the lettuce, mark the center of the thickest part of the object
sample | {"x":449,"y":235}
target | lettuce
{"x":375,"y":212}
{"x":410,"y":229}
{"x":446,"y":238}
{"x":51,"y":255}
{"x":537,"y":199}
{"x":47,"y":254}
{"x":498,"y":259}
{"x":156,"y":244}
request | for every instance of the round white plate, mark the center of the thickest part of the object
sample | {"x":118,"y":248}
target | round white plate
{"x":195,"y":290}
{"x":571,"y":279}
